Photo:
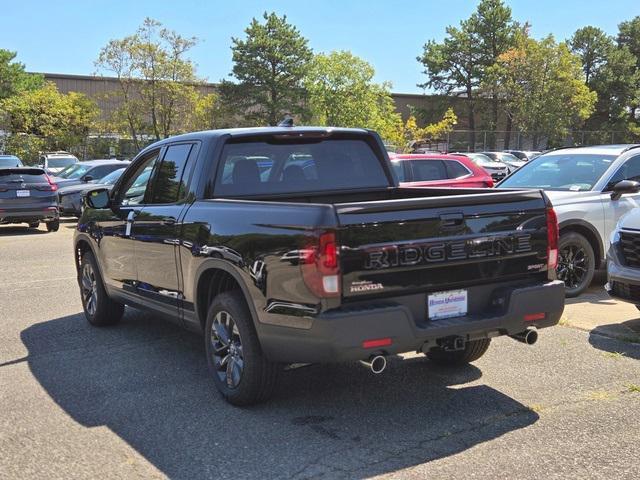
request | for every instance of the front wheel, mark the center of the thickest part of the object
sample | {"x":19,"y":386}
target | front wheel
{"x":99,"y":309}
{"x":576,"y":263}
{"x":240,"y":371}
{"x":472,"y":351}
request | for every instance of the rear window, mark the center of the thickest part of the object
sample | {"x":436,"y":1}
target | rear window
{"x":428,"y":170}
{"x":29,"y":175}
{"x":10,"y":162}
{"x":262,"y":167}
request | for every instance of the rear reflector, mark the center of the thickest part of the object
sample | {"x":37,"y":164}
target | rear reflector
{"x":534,"y":316}
{"x":378,"y":342}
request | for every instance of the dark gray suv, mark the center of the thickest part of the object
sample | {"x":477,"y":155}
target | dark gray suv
{"x":27,"y":195}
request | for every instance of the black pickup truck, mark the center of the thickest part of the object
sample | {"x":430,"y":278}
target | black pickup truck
{"x":292,"y":245}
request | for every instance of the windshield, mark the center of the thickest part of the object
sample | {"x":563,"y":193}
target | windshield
{"x":74,"y":171}
{"x":571,"y":172}
{"x":10,"y":162}
{"x":60,"y":162}
{"x":483,"y":160}
{"x":112,"y":177}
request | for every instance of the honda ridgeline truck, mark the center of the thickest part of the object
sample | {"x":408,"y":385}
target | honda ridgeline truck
{"x":291,"y":245}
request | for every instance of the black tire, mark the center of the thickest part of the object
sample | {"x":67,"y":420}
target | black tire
{"x":257,"y":376}
{"x":34,"y":224}
{"x":99,"y":309}
{"x":472,"y":351}
{"x":576,"y":263}
{"x":53,"y":226}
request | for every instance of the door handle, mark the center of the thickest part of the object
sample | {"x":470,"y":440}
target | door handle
{"x":132,"y":214}
{"x":168,"y":221}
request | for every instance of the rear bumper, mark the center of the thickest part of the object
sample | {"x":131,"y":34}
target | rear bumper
{"x":46,"y":214}
{"x":337,"y":336}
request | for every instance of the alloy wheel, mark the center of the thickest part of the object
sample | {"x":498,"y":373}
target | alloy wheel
{"x":226,"y":349}
{"x":89,"y":289}
{"x":573,"y":265}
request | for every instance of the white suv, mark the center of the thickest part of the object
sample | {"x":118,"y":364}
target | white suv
{"x":589,"y":194}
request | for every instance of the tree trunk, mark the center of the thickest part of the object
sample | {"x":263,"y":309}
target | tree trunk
{"x":472,"y":122}
{"x":507,"y":133}
{"x":493,"y":138}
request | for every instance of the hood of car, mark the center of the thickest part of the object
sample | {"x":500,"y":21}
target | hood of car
{"x":559,"y":198}
{"x":631,"y":220}
{"x":82,"y":187}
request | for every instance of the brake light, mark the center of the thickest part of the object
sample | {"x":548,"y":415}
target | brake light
{"x":552,"y":239}
{"x":54,"y":186}
{"x":320,"y":265}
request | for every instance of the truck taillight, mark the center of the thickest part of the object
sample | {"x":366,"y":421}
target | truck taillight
{"x":552,"y":239}
{"x":320,"y":265}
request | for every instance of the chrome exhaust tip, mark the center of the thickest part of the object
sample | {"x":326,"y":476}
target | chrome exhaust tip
{"x":377,"y":363}
{"x":528,"y":336}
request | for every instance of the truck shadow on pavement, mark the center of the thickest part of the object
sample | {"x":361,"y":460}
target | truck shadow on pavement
{"x":146,"y":380}
{"x":16,"y":230}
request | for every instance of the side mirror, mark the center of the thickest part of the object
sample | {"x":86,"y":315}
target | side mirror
{"x":98,"y":198}
{"x":87,"y":178}
{"x":624,"y":187}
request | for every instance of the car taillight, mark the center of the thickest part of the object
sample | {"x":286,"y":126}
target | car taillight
{"x":490,"y":182}
{"x":320,"y":265}
{"x":552,"y":239}
{"x":54,"y":186}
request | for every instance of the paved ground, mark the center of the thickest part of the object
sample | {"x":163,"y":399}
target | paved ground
{"x":134,"y":401}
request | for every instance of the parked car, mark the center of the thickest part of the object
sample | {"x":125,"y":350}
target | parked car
{"x":27,"y":195}
{"x":10,"y":161}
{"x":623,"y":259}
{"x":590,"y":190}
{"x":496,"y":169}
{"x":54,"y":162}
{"x":425,"y":170}
{"x":511,"y":161}
{"x":524,"y":155}
{"x":70,"y":199}
{"x":89,"y":171}
{"x":381,"y":269}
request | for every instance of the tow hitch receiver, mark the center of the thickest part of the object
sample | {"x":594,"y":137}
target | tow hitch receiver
{"x":452,"y":344}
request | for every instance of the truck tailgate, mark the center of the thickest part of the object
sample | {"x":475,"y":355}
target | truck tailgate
{"x":440,"y":243}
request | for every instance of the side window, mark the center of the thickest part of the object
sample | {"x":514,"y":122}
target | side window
{"x":99,"y":172}
{"x":456,"y":169}
{"x":426,"y":170}
{"x":134,"y":188}
{"x":399,"y":169}
{"x":171,"y":177}
{"x":630,"y":170}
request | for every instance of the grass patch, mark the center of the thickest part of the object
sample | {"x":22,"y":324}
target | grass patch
{"x":613,"y":355}
{"x":633,"y":388}
{"x":601,"y":395}
{"x":536,"y":407}
{"x":564,"y":321}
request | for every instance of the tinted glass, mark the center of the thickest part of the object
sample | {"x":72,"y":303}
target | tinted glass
{"x":573,"y":172}
{"x":61,"y":162}
{"x":399,"y":169}
{"x":134,"y":189}
{"x":28,"y":176}
{"x":170,"y":178}
{"x":483,"y":160}
{"x":10,"y":162}
{"x":112,"y":177}
{"x":629,"y":171}
{"x":99,"y":172}
{"x":456,"y":169}
{"x":426,"y":170}
{"x":298,"y":167}
{"x":74,"y":171}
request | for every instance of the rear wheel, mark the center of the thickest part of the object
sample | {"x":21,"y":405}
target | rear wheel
{"x":34,"y":224}
{"x":99,"y":309}
{"x":576,"y":263}
{"x":240,"y":371}
{"x":53,"y":226}
{"x":472,"y":351}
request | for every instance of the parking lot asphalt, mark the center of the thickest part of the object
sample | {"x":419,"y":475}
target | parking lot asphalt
{"x":134,"y":401}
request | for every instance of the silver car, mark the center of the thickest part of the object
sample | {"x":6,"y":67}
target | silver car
{"x":591,"y":188}
{"x":623,"y":259}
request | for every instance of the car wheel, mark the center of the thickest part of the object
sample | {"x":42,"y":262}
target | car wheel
{"x":239,"y":369}
{"x":34,"y":224}
{"x":472,"y":351}
{"x":99,"y":309}
{"x":53,"y":226}
{"x":576,"y":263}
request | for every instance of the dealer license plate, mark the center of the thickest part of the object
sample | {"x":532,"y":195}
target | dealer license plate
{"x":23,"y":193}
{"x":452,"y":303}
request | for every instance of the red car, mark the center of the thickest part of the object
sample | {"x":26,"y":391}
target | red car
{"x":439,"y":170}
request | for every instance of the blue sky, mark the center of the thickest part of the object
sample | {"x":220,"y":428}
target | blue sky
{"x":66,"y":36}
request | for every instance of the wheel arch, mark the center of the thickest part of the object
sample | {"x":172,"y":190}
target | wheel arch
{"x":588,"y":231}
{"x":214,"y":277}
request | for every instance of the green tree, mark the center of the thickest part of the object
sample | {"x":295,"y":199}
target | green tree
{"x":269,"y":66}
{"x":543,"y":89}
{"x":494,"y":32}
{"x":157,"y":81}
{"x":629,"y":36}
{"x":59,"y":121}
{"x":593,"y":46}
{"x":454,"y":67}
{"x":14,"y":78}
